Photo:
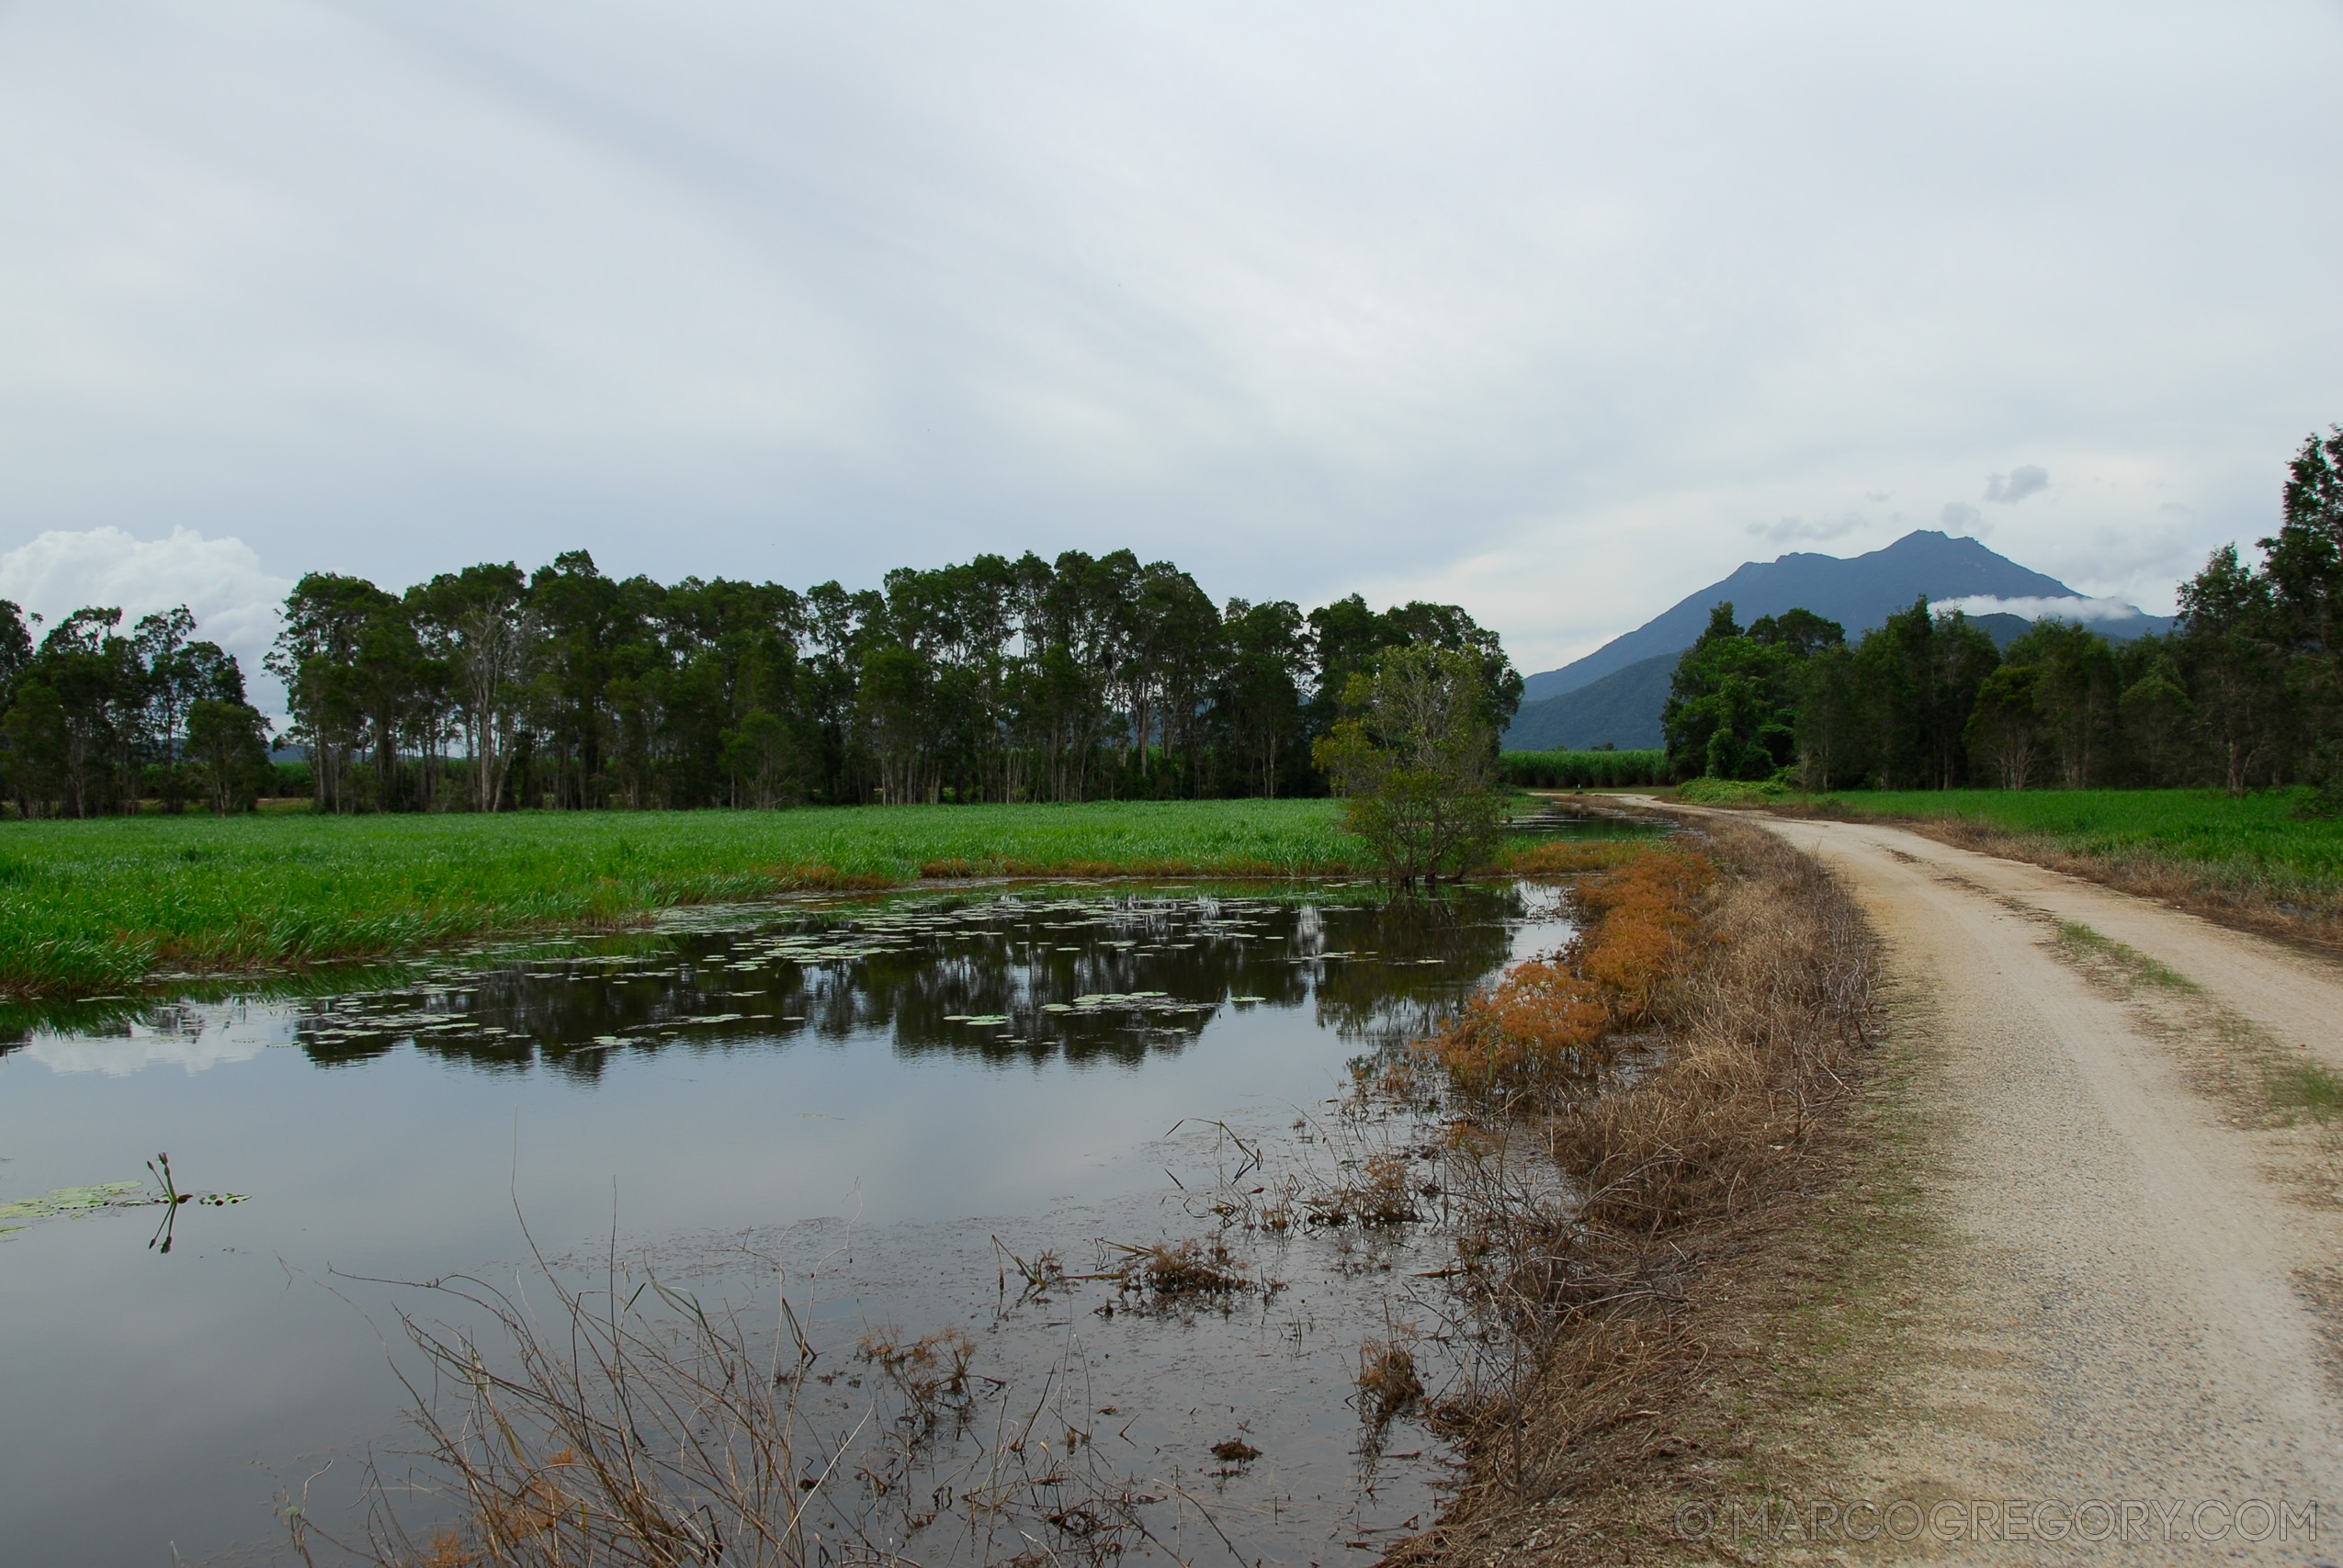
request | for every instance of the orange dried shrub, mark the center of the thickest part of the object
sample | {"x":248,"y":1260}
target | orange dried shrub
{"x":1644,"y":911}
{"x":1538,"y":1019}
{"x":1542,"y":1022}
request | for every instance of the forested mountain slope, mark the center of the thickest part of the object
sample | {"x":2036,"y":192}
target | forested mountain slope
{"x":1614,"y":693}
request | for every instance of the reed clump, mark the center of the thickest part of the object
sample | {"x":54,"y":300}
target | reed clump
{"x":1171,"y":1274}
{"x":1388,"y":1383}
{"x":602,"y":1432}
{"x":932,"y":1371}
{"x":1378,"y":1191}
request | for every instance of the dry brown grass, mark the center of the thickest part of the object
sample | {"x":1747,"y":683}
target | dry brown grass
{"x":1678,"y":1174}
{"x":1545,"y":1029}
{"x":1558,"y":857}
{"x":1388,"y":1383}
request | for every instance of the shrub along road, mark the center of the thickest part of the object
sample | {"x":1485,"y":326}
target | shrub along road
{"x":2125,"y":1148}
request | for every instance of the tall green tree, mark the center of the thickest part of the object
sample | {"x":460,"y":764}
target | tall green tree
{"x":1921,"y":673}
{"x":1733,"y":699}
{"x":2231,"y":644}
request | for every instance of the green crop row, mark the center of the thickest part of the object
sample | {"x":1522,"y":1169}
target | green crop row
{"x":1574,"y":769}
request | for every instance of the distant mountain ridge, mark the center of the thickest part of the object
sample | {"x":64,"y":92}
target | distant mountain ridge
{"x":1615,"y":693}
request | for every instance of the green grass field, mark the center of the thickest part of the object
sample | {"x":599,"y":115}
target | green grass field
{"x":1572,"y":769}
{"x":101,"y":906}
{"x":2254,"y":840}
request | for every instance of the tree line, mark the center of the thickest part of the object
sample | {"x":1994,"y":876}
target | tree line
{"x":494,"y":689}
{"x":97,"y":717}
{"x":2247,"y":691}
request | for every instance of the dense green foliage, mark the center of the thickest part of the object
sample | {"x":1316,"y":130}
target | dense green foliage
{"x":93,"y":719}
{"x":1573,"y":770}
{"x":1414,"y":757}
{"x":1081,"y":679}
{"x":1732,"y":705}
{"x":2257,"y":837}
{"x":98,"y":905}
{"x":2247,"y":691}
{"x":491,"y":688}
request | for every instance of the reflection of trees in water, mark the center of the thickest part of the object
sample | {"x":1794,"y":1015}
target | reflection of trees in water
{"x":1398,"y":996}
{"x":919,"y":973}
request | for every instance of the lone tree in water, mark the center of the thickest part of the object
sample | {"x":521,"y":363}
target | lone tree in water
{"x":1414,"y":755}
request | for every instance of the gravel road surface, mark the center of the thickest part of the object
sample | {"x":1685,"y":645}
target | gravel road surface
{"x":2131,"y":1329}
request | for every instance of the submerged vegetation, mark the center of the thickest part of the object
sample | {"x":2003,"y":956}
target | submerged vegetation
{"x":103,"y":906}
{"x":1575,"y":1145}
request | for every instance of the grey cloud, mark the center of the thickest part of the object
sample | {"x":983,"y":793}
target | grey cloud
{"x":2016,"y":485}
{"x":1959,"y":517}
{"x":1303,"y":300}
{"x":1791,"y":530}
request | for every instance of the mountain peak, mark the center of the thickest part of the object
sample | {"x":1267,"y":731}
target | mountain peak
{"x":1858,"y":591}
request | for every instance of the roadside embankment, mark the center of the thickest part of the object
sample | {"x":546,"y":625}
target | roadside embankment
{"x":1744,"y":1018}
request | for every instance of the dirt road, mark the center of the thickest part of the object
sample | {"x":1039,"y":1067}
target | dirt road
{"x":2130,"y":1334}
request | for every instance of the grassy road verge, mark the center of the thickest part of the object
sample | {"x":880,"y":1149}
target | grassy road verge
{"x":2246,"y":860}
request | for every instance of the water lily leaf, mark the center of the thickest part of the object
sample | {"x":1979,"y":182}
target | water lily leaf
{"x":67,"y":1200}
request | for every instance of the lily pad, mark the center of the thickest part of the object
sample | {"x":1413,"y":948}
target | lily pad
{"x":67,"y":1200}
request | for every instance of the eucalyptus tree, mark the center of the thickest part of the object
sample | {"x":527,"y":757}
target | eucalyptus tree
{"x":2076,"y":695}
{"x":1732,"y":701}
{"x":316,"y":655}
{"x":482,"y":617}
{"x":1268,"y":663}
{"x":2231,"y":645}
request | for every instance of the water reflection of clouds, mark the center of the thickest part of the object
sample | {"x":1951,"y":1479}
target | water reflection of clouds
{"x":190,"y":1036}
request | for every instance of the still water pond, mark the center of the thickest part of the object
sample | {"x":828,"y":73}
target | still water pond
{"x":843,"y":1102}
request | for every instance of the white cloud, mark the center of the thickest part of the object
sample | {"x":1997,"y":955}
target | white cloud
{"x":203,"y":1035}
{"x":236,"y":603}
{"x":2016,"y":485}
{"x":2034,"y":609}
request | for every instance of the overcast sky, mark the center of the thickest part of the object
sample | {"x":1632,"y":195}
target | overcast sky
{"x":1559,"y":311}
